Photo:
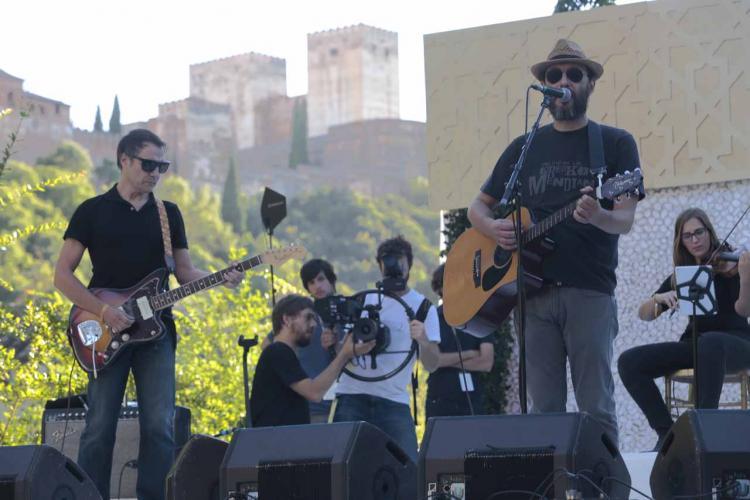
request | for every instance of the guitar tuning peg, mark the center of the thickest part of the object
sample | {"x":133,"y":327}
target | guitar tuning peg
{"x":627,"y":172}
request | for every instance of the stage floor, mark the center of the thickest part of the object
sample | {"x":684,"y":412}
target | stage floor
{"x":639,"y":465}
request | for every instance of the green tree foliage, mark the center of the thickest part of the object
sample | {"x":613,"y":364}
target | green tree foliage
{"x":298,"y":151}
{"x":98,"y":125}
{"x":106,"y":173}
{"x":346,"y":228}
{"x":115,"y":127}
{"x":69,"y":156}
{"x":231,"y":211}
{"x":573,"y":5}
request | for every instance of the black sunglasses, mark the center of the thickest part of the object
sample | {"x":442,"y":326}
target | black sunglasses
{"x":149,"y":166}
{"x":554,"y":75}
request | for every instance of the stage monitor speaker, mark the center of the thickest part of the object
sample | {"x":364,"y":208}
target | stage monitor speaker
{"x":341,"y":461}
{"x":705,"y":454}
{"x":125,"y":458}
{"x":490,"y":456}
{"x":195,"y":473}
{"x":42,"y":473}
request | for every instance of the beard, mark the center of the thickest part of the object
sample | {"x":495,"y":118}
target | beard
{"x":578,"y":104}
{"x":303,"y":341}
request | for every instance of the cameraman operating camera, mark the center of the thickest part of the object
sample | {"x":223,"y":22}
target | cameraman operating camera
{"x":385,"y":403}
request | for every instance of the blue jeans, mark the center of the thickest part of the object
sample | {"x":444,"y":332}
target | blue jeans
{"x":392,"y":418}
{"x":153,"y":371}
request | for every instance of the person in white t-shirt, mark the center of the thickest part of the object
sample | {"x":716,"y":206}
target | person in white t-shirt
{"x":385,"y":404}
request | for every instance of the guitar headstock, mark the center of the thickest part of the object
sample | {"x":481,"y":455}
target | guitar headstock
{"x":281,"y":255}
{"x":628,"y":184}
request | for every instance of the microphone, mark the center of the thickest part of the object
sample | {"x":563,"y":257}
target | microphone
{"x":563,"y":94}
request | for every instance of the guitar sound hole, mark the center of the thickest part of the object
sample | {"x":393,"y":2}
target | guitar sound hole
{"x":502,"y":257}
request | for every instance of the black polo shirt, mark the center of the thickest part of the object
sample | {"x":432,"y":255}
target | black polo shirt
{"x":124,"y":244}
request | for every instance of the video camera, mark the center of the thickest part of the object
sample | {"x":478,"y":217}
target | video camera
{"x":351,"y":315}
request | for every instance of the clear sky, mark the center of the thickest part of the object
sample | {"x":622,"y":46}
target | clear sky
{"x":83,"y":52}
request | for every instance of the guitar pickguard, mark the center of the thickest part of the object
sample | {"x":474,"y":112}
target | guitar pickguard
{"x":492,"y":276}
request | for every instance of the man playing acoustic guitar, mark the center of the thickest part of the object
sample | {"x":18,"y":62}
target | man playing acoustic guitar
{"x":122,"y":230}
{"x":575,"y":314}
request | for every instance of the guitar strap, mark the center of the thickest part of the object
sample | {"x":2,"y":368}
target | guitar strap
{"x":596,"y":154}
{"x":165,"y":235}
{"x":421,"y":316}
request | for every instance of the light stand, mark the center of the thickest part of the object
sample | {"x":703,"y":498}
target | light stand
{"x":513,"y":195}
{"x":272,"y":211}
{"x":698,"y":291}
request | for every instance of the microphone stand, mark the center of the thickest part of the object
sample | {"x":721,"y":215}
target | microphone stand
{"x":246,"y":344}
{"x":513,"y":195}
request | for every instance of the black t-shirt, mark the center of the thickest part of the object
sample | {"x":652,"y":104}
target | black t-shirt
{"x":124,"y":244}
{"x":273,"y":402}
{"x":726,"y":320}
{"x":557,"y":167}
{"x":445,"y":381}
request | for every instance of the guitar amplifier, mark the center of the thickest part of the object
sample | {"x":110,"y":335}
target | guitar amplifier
{"x":125,"y":457}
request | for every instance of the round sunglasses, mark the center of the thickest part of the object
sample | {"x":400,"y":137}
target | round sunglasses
{"x":149,"y":166}
{"x":554,"y":75}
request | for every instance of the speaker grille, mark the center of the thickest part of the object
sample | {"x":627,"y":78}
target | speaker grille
{"x":307,"y":480}
{"x":523,"y":469}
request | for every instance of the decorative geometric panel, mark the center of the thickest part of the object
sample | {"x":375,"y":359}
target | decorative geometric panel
{"x":676,"y":76}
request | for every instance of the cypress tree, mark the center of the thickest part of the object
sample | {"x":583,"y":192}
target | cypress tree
{"x":230,"y":201}
{"x":98,"y":125}
{"x":115,"y":127}
{"x":298,"y":151}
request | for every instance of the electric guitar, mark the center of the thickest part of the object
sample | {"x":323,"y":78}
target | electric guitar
{"x":480,"y":282}
{"x":96,"y":346}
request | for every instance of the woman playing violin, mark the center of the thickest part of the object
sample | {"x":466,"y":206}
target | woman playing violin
{"x":723,"y":338}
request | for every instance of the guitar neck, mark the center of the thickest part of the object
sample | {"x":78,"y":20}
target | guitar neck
{"x":168,"y":298}
{"x":548,"y":223}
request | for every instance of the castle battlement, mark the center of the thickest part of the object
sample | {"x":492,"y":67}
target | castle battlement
{"x":354,"y":28}
{"x":244,"y":56}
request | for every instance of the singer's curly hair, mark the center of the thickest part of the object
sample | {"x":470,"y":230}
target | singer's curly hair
{"x":395,"y":246}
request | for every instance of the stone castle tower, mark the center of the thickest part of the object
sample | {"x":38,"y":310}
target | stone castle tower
{"x":352,"y":76}
{"x":240,"y":81}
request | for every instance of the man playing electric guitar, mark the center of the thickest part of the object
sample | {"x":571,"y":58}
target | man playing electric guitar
{"x":122,"y":230}
{"x":574,"y":315}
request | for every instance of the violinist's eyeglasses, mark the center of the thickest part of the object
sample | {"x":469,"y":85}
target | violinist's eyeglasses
{"x":697,"y":234}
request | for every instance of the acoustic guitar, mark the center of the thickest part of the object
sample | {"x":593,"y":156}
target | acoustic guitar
{"x":96,"y":346}
{"x":480,"y":281}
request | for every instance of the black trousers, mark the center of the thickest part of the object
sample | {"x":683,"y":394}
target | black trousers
{"x":453,"y":404}
{"x":719,"y":353}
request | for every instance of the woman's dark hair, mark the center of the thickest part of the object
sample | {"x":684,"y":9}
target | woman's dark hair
{"x":395,"y":246}
{"x":291,"y":305}
{"x":135,"y":140}
{"x":314,"y":267}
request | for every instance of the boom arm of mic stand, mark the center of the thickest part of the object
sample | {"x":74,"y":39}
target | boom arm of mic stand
{"x":513,"y":193}
{"x":246,"y":344}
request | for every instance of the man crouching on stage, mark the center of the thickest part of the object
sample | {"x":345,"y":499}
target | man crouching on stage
{"x":281,"y":388}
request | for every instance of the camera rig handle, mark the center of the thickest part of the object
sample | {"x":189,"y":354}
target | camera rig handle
{"x":409,"y":355}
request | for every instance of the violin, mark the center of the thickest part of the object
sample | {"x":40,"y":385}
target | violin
{"x":725,"y":258}
{"x":724,"y":262}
